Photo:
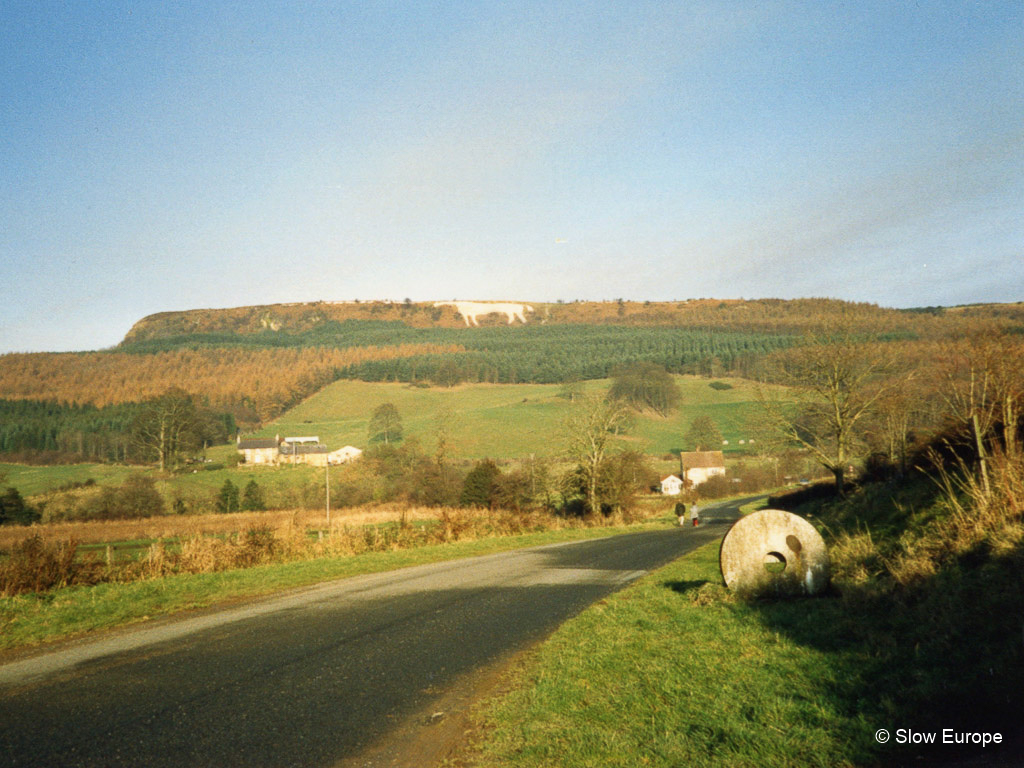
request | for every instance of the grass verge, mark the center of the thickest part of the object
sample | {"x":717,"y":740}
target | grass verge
{"x":672,"y":672}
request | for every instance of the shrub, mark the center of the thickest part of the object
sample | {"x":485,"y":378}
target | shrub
{"x":138,"y":497}
{"x":14,"y":510}
{"x":36,"y":566}
{"x":478,"y":489}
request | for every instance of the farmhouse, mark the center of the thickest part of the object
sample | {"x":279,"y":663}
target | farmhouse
{"x":344,"y":455}
{"x":303,"y":452}
{"x":671,"y":486}
{"x":259,"y":450}
{"x":700,"y":466}
{"x":293,"y":450}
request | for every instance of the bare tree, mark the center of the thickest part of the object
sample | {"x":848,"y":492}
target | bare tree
{"x":385,"y":424}
{"x":168,"y":426}
{"x":898,"y":413}
{"x":983,"y":391}
{"x":592,"y":428}
{"x":836,"y":382}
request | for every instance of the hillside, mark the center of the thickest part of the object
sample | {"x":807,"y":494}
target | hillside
{"x":507,"y":421}
{"x":292,"y":322}
{"x":254,"y":363}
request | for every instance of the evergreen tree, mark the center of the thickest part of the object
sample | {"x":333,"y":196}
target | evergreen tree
{"x":480,"y":485}
{"x":14,"y":510}
{"x":227,"y":499}
{"x":252,"y":498}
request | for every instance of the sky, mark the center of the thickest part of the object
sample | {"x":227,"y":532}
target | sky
{"x":160,"y":156}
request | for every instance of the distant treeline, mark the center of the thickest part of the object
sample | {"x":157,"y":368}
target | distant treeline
{"x":251,"y":382}
{"x":34,"y":430}
{"x":504,"y":354}
{"x":563,"y":353}
{"x":53,"y":429}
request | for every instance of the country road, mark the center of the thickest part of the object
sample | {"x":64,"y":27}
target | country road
{"x":317,"y":677}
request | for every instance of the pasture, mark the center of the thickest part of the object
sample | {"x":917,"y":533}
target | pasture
{"x":506,"y":421}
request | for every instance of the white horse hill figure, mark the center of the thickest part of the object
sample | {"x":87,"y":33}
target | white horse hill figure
{"x":471,"y":310}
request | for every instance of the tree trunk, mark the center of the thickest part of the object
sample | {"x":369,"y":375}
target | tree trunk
{"x":838,"y":472}
{"x":982,"y":459}
{"x":162,"y":449}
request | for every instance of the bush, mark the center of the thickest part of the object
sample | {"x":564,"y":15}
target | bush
{"x":14,"y":510}
{"x":790,"y":500}
{"x":36,"y":566}
{"x":478,"y":489}
{"x":138,"y":497}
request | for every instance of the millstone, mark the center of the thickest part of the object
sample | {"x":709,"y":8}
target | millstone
{"x":774,"y":553}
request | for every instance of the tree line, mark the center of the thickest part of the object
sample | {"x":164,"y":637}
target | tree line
{"x":253,"y":384}
{"x":164,"y":429}
{"x":855,"y":403}
{"x":564,"y":353}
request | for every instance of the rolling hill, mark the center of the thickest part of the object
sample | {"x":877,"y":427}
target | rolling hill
{"x":255,"y":363}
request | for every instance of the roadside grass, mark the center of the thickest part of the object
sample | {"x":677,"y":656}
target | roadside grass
{"x":672,"y":672}
{"x":922,"y":631}
{"x":34,"y":618}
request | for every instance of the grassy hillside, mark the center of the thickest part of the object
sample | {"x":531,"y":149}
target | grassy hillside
{"x":505,"y":420}
{"x":32,"y":479}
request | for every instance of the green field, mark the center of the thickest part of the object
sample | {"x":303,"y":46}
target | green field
{"x":505,"y":421}
{"x":32,"y":479}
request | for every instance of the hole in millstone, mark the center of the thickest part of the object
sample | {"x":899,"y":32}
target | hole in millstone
{"x":774,"y":562}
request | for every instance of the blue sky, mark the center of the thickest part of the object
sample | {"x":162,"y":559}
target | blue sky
{"x":160,"y":156}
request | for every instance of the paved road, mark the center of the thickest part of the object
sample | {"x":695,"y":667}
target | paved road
{"x":317,"y":676}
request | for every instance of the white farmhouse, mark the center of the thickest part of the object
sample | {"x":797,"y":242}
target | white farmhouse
{"x":671,"y":486}
{"x":344,"y":455}
{"x":701,"y":466}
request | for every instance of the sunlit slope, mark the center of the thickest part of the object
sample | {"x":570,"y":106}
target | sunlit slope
{"x":505,"y":420}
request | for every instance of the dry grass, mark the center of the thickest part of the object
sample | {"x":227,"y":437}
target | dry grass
{"x":177,"y":526}
{"x":971,"y":518}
